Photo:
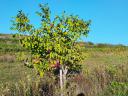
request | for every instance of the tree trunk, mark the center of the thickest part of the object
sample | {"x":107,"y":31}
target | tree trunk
{"x":64,"y":76}
{"x":63,"y":81}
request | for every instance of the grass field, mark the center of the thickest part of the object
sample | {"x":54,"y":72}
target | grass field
{"x":104,"y":73}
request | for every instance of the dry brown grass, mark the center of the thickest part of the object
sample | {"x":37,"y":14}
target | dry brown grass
{"x":7,"y":58}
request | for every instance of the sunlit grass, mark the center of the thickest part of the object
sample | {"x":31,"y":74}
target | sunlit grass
{"x":104,"y":73}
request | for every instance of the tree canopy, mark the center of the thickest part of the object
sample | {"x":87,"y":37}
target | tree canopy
{"x":53,"y":44}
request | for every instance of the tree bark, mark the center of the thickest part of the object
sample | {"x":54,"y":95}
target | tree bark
{"x":64,"y":76}
{"x":61,"y":82}
{"x":63,"y":79}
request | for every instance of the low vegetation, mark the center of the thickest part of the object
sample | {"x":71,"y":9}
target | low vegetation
{"x":104,"y":73}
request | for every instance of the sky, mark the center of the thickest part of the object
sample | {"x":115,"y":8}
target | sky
{"x":109,"y":17}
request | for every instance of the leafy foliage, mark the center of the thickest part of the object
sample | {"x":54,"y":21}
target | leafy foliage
{"x":53,"y":44}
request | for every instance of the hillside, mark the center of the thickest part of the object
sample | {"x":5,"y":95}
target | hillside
{"x":104,"y":73}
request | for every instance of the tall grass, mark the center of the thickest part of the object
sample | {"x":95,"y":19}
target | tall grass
{"x":93,"y":81}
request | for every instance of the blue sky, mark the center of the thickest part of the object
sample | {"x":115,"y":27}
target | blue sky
{"x":109,"y":17}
